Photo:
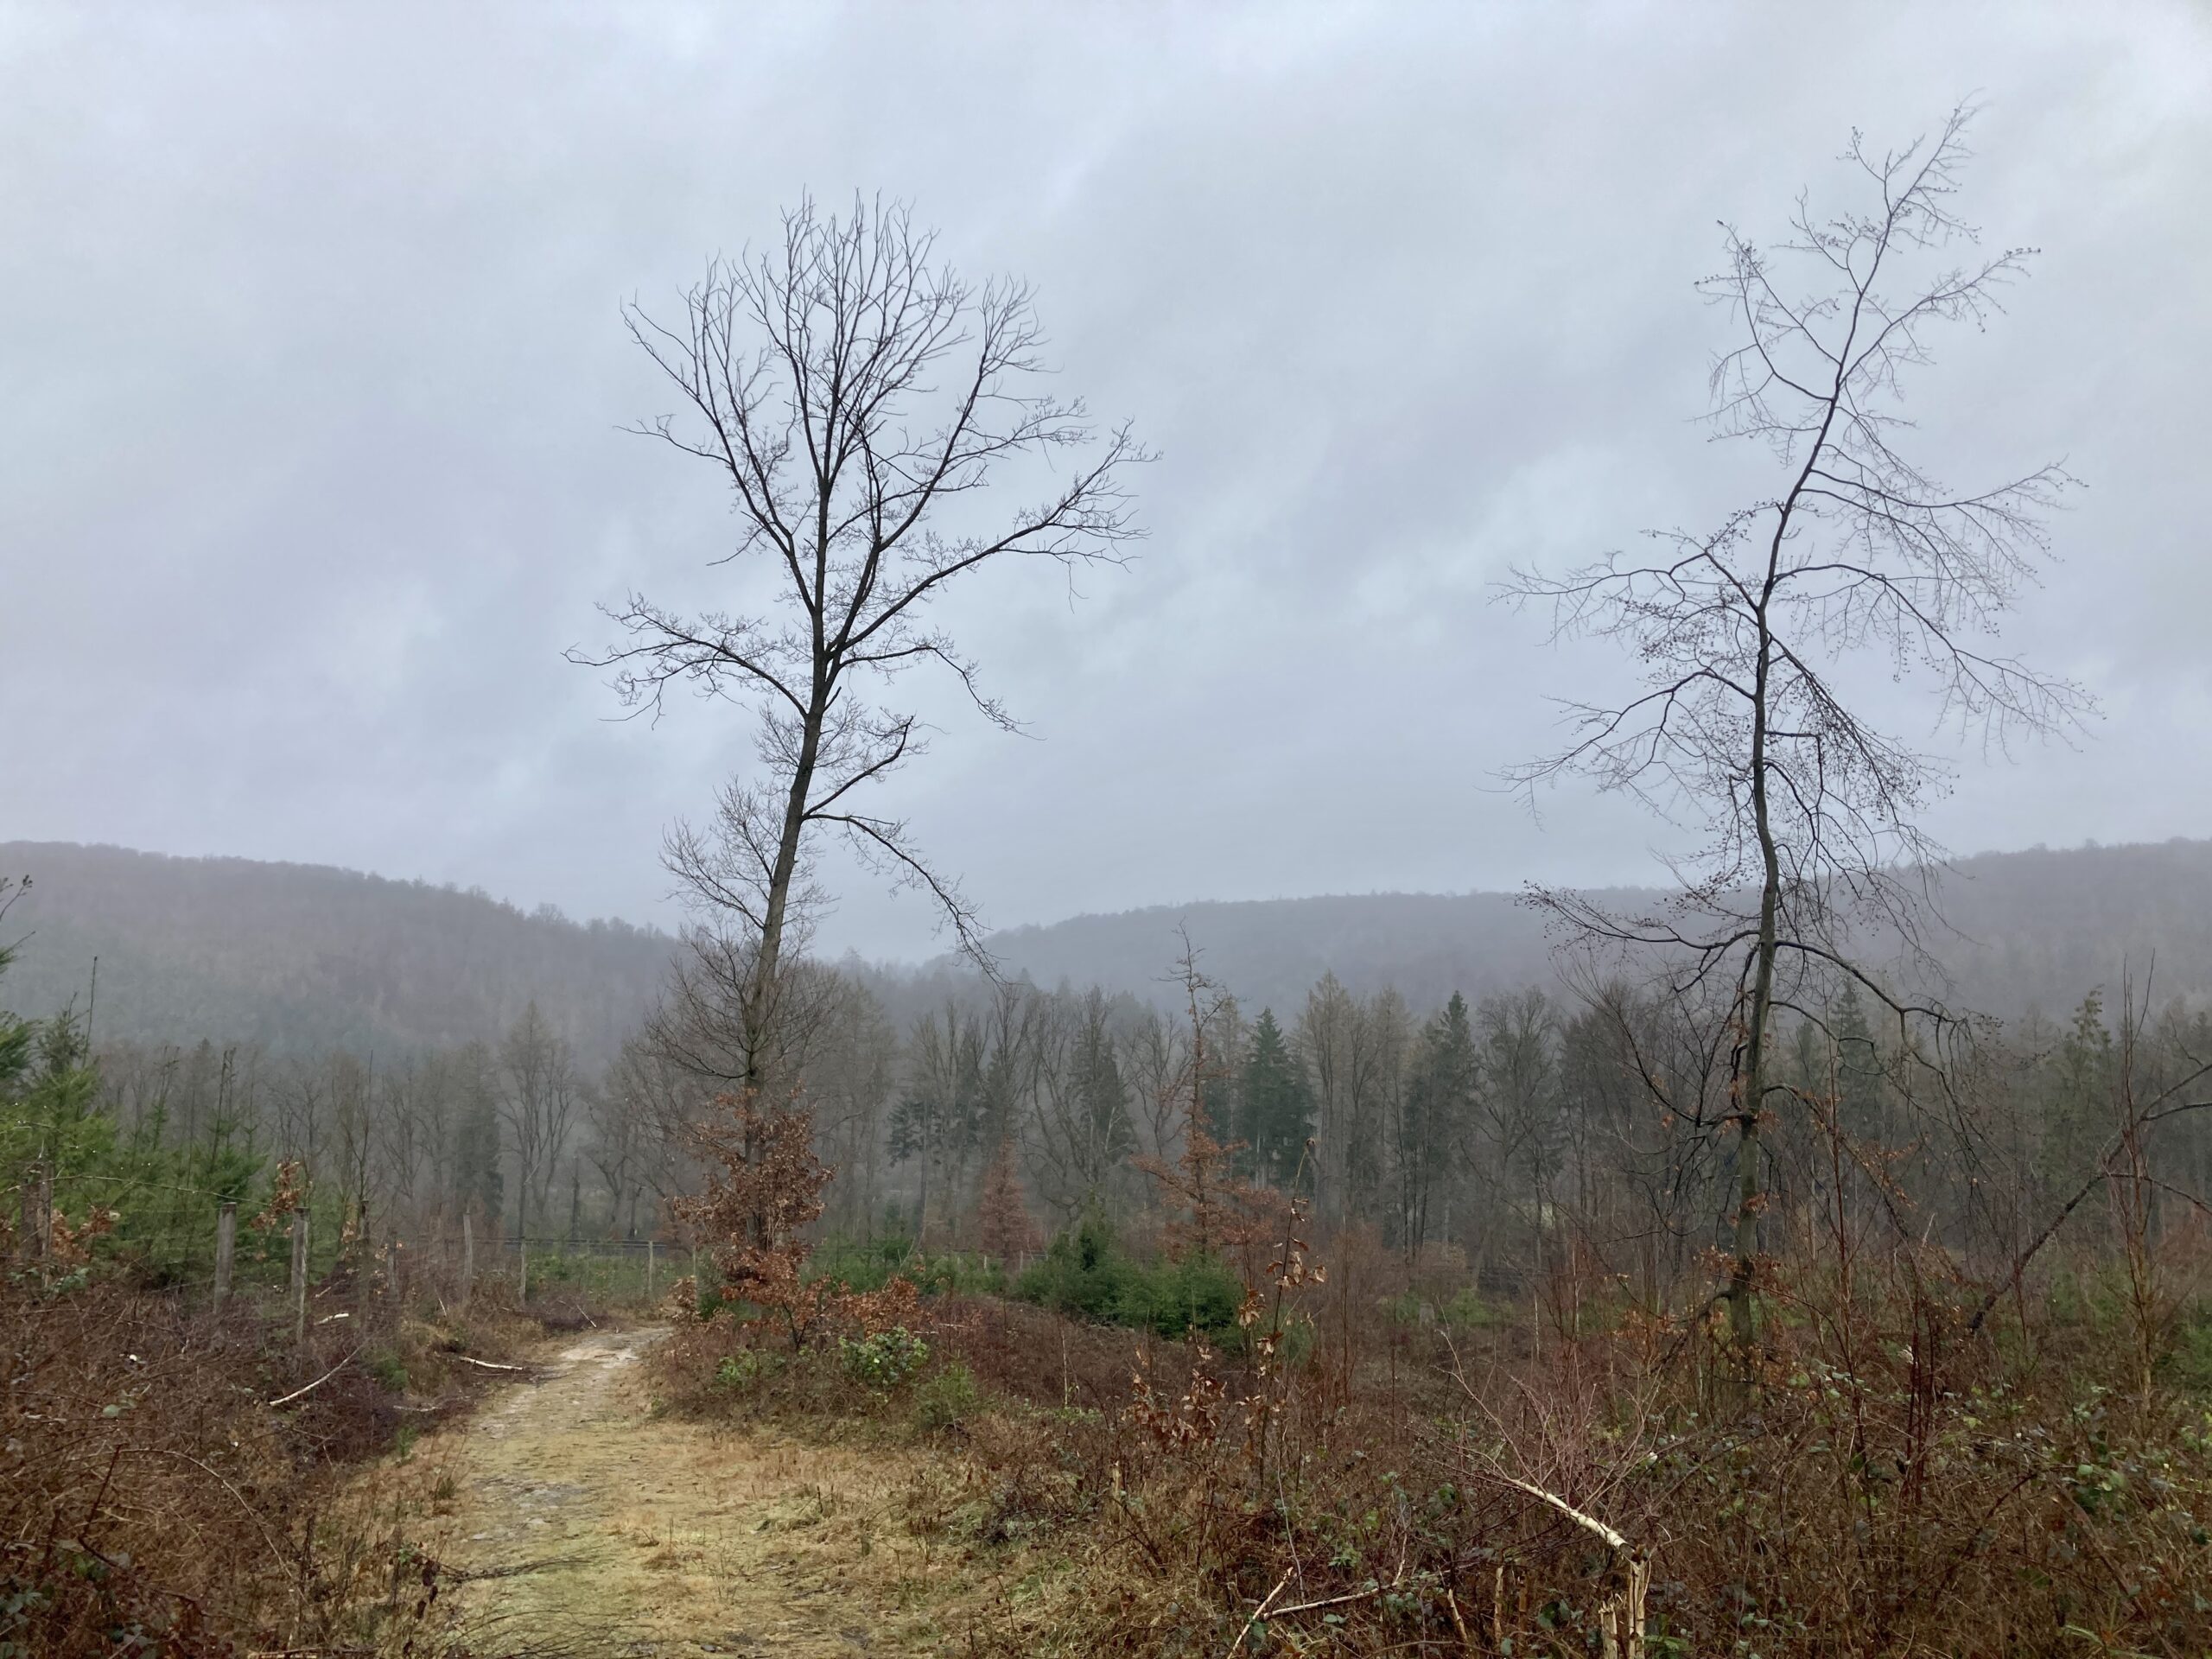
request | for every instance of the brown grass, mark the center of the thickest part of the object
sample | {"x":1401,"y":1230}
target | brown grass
{"x":153,"y":1500}
{"x":1880,"y":1483}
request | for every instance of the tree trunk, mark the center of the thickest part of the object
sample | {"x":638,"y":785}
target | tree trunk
{"x":768,"y":960}
{"x":1742,"y":1323}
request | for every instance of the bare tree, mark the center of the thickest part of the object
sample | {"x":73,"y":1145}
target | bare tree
{"x":1812,"y":812}
{"x":854,"y":395}
{"x":538,"y":1090}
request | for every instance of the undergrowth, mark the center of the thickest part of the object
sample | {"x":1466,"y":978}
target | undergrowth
{"x":181,"y":1483}
{"x":1882,"y":1481}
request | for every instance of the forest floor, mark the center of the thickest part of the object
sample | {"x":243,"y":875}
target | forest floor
{"x":579,"y":1522}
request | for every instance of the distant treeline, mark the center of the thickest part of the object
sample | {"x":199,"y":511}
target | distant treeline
{"x":301,"y":960}
{"x":1498,"y":1143}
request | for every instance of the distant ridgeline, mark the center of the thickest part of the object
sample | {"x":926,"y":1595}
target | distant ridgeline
{"x":2036,"y":931}
{"x":303,"y":958}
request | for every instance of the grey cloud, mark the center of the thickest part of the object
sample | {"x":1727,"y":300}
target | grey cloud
{"x":314,"y":370}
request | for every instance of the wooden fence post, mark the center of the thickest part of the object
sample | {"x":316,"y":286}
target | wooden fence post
{"x":31,"y":1237}
{"x":522,"y":1272}
{"x":467,"y":1257}
{"x":649,"y":1272}
{"x":299,"y":1276}
{"x":226,"y":1243}
{"x":38,"y":1213}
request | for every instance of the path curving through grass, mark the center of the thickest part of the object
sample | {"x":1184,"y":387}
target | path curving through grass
{"x":580,"y":1524}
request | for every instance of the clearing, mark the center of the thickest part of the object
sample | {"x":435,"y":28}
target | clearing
{"x":582,"y":1524}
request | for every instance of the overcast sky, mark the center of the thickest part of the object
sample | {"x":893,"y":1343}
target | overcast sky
{"x":311,"y":371}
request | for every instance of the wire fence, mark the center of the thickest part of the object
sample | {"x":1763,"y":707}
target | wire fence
{"x":195,"y":1241}
{"x":170,"y":1235}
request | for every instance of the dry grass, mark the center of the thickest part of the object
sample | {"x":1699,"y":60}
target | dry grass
{"x":153,"y":1500}
{"x":1884,"y":1483}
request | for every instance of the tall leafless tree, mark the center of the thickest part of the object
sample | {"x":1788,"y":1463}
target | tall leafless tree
{"x":1813,"y":813}
{"x":539,"y":1093}
{"x":857,"y":397}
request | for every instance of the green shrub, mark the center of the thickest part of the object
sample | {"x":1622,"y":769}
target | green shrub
{"x":388,"y":1369}
{"x":1466,"y":1310}
{"x":1086,"y":1274}
{"x":745,"y":1370}
{"x":883,"y":1362}
{"x":957,"y":1275}
{"x":2190,"y":1362}
{"x":1199,"y":1292}
{"x":946,"y":1400}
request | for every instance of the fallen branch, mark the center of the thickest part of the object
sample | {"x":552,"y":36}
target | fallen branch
{"x":1589,"y":1522}
{"x":485,"y":1365}
{"x":1620,"y":1627}
{"x":1452,"y":1600}
{"x":1372,"y":1589}
{"x":1259,"y":1614}
{"x":300,"y":1394}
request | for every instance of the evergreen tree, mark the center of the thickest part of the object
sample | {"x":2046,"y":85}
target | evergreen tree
{"x":2077,"y":1104}
{"x":1276,"y":1106}
{"x":1862,"y":1099}
{"x":1436,"y":1117}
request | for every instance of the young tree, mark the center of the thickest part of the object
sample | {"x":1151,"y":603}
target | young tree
{"x":1812,"y":812}
{"x":856,"y":396}
{"x":1003,"y":1223}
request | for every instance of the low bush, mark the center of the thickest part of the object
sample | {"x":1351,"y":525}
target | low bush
{"x":1086,"y":1274}
{"x":946,"y":1399}
{"x":884,"y":1360}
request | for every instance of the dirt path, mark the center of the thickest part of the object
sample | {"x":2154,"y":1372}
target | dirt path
{"x":587,"y":1526}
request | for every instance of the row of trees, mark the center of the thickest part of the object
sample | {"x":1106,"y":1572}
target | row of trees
{"x":1499,"y":1144}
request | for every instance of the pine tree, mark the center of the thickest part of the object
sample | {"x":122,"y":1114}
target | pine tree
{"x":1439,"y":1105}
{"x":1862,"y":1101}
{"x":1277,"y":1106}
{"x":2078,"y":1104}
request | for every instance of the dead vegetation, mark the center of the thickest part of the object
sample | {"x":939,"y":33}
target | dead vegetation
{"x":1885,"y":1481}
{"x":179,"y":1482}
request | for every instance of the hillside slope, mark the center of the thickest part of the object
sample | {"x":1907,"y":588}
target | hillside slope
{"x":302,"y":957}
{"x":2036,"y":930}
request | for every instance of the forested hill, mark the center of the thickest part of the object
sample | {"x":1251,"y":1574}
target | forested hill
{"x":303,"y":958}
{"x":2041,"y":928}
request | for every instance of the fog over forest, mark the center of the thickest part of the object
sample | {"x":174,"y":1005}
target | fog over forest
{"x":1389,"y":823}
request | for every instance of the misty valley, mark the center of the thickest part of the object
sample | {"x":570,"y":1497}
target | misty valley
{"x":1754,"y":1204}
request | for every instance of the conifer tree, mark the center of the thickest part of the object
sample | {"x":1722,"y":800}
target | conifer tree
{"x":1276,"y":1115}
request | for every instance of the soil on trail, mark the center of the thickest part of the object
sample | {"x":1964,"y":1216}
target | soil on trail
{"x":582,"y":1524}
